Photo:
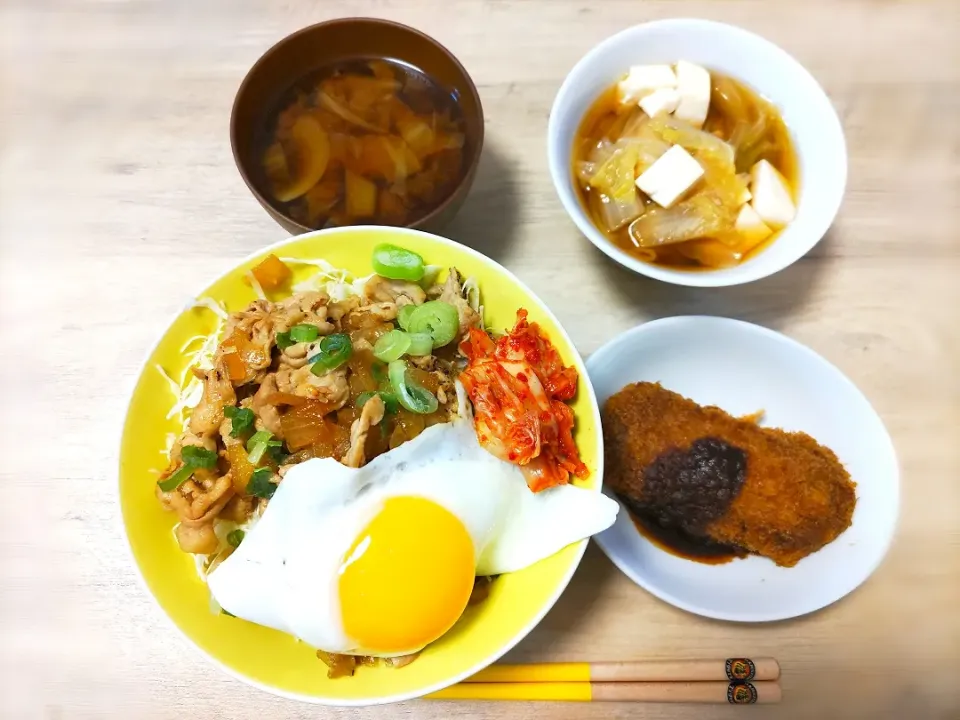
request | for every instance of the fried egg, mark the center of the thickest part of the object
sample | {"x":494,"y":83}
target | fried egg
{"x":381,"y":560}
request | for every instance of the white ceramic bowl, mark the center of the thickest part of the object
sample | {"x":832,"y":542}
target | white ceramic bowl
{"x":743,"y":368}
{"x":811,"y":119}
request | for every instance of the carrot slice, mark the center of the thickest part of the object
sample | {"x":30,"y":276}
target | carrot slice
{"x":272,"y":272}
{"x":236,"y":368}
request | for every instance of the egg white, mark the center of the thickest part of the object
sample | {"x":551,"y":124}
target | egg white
{"x":285,"y":573}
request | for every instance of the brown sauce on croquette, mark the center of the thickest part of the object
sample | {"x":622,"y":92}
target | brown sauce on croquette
{"x":683,"y":491}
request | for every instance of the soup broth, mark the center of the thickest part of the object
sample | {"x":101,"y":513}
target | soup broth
{"x":363,"y":141}
{"x":704,"y":229}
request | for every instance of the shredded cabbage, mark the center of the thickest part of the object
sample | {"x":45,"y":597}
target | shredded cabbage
{"x":255,"y":284}
{"x":430,"y":275}
{"x":339,"y":284}
{"x":187,"y":389}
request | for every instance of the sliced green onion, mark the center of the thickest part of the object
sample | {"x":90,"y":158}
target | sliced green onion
{"x":276,"y":452}
{"x":177,"y":479}
{"x":438,"y":318}
{"x":390,"y":402}
{"x":241,"y":420}
{"x":391,"y":346}
{"x":260,"y":483}
{"x":284,"y":340}
{"x":420,"y":344}
{"x":335,"y":350}
{"x":257,"y":445}
{"x":198,"y":457}
{"x":379,"y":371}
{"x":363,"y":397}
{"x":235,"y":537}
{"x":304,"y":333}
{"x":397,"y":263}
{"x":413,"y":397}
{"x":403,"y":316}
{"x":261,"y":437}
{"x":194,"y":457}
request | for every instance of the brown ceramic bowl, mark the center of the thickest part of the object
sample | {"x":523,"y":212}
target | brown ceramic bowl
{"x":328,"y":42}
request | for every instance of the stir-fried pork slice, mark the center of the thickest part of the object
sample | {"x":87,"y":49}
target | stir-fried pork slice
{"x":218,"y":392}
{"x":265,"y":411}
{"x":382,"y":311}
{"x":200,"y":498}
{"x":452,"y":292}
{"x":309,"y":308}
{"x":332,"y":387}
{"x":336,"y":310}
{"x":201,"y":539}
{"x":400,"y":292}
{"x":371,"y":414}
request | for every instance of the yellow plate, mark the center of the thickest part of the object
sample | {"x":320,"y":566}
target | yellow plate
{"x":272,"y":660}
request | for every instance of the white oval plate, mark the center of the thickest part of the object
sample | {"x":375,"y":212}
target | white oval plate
{"x":743,"y":368}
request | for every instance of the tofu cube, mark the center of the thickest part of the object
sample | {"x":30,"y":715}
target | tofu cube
{"x":642,"y":80}
{"x":771,"y":195}
{"x":659,"y":102}
{"x":693,"y":84}
{"x":675,"y":172}
{"x":745,"y":196}
{"x":751,"y":226}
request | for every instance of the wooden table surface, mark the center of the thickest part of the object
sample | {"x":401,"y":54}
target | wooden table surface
{"x":119,"y":198}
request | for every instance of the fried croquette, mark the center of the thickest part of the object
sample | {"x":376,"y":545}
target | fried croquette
{"x":707,"y":474}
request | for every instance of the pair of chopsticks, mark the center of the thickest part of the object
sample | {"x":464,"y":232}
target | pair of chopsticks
{"x":738,"y":681}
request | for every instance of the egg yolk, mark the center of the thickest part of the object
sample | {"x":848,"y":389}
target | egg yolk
{"x":407,"y":578}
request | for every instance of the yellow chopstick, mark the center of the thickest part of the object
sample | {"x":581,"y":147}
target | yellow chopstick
{"x":736,"y":693}
{"x":764,"y":668}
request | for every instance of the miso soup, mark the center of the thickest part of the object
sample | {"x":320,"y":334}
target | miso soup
{"x":363,"y":141}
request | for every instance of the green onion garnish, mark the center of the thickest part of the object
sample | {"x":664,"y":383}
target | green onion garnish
{"x":413,"y":397}
{"x":335,"y":350}
{"x":260,"y":483}
{"x":235,"y":537}
{"x":284,"y":340}
{"x":390,"y":402}
{"x":177,"y":479}
{"x":403,"y":316}
{"x":276,"y":452}
{"x":194,"y":458}
{"x":436,"y":318}
{"x":241,"y":420}
{"x":198,"y":456}
{"x":379,"y":371}
{"x":391,"y":346}
{"x":420,"y":344}
{"x":397,"y":263}
{"x":257,"y":445}
{"x":304,"y":333}
{"x":363,"y":397}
